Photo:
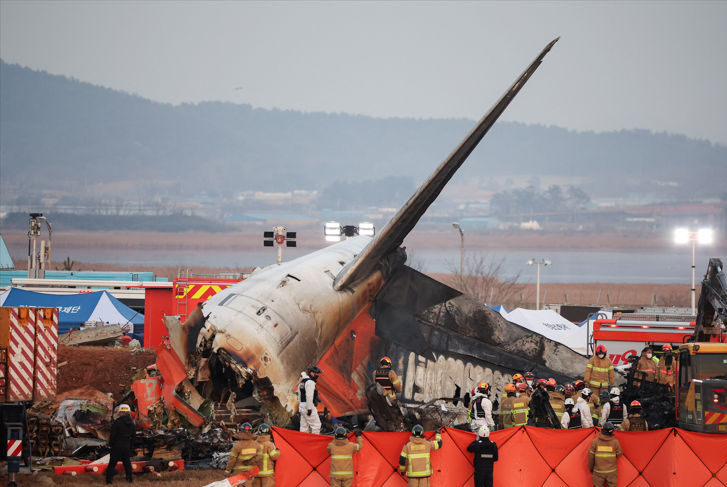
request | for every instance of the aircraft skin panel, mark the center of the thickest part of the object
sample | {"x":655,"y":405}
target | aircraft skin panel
{"x":394,"y":232}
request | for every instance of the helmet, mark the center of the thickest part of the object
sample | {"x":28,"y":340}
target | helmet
{"x":560,"y":389}
{"x":615,"y":391}
{"x":603,"y":396}
{"x":522,"y":387}
{"x":579,"y":384}
{"x":263,"y":429}
{"x":541,"y":382}
{"x":124,"y":409}
{"x":666,"y":348}
{"x":474,"y":390}
{"x":569,"y":387}
{"x":246,"y":428}
{"x":484,"y":431}
{"x":569,"y":402}
{"x":607,"y":428}
{"x":529,"y":376}
{"x":517,"y":378}
{"x":551,"y":382}
{"x":635,"y":405}
{"x":417,"y":431}
{"x":483,"y":387}
{"x":385,"y":362}
{"x":510,"y":388}
{"x":600,"y":349}
{"x":586,"y":392}
{"x":313,"y":369}
{"x":340,"y":433}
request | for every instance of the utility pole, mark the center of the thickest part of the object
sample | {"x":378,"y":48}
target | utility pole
{"x":461,"y":264}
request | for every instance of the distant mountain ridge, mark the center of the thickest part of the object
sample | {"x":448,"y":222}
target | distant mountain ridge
{"x":64,"y":129}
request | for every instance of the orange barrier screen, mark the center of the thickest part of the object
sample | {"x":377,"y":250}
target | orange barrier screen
{"x":528,"y":457}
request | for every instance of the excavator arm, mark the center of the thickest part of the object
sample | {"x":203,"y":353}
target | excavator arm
{"x":712,"y":309}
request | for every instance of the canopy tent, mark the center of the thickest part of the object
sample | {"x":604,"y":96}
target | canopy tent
{"x":76,"y":309}
{"x":499,"y":308}
{"x":6,"y":262}
{"x":551,"y":325}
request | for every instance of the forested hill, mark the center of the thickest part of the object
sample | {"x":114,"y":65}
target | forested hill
{"x":64,"y":129}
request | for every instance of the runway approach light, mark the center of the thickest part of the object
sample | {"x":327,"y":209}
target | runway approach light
{"x":366,"y":228}
{"x":332,"y":231}
{"x":703,"y":236}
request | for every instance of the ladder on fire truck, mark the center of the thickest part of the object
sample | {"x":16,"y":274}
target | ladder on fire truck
{"x":181,"y":297}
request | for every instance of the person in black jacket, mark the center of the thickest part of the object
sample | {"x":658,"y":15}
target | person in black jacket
{"x":485,"y":457}
{"x":121,"y":442}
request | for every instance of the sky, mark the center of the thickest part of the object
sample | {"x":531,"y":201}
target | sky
{"x":652,"y":65}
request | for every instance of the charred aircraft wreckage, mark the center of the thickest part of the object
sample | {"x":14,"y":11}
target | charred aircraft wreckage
{"x":255,"y":337}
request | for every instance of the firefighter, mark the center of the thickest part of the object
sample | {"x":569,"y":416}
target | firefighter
{"x":121,"y":442}
{"x":485,"y":457}
{"x":613,"y":410}
{"x":342,"y":451}
{"x":387,"y":379}
{"x":481,"y":408}
{"x":507,"y":419}
{"x":584,"y":409}
{"x":308,"y":400}
{"x":599,"y":372}
{"x":529,"y":379}
{"x":520,"y":406}
{"x":571,"y":417}
{"x":517,"y":379}
{"x":557,"y":399}
{"x":667,"y":366}
{"x":243,"y":456}
{"x":579,"y":385}
{"x":634,"y":422}
{"x":266,"y":455}
{"x":541,"y":413}
{"x":602,"y":399}
{"x":414,"y":461}
{"x":570,"y":391}
{"x":603,"y":457}
{"x":523,"y":390}
{"x":646,"y":368}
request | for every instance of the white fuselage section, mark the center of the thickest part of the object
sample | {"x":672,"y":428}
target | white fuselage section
{"x":285,"y":317}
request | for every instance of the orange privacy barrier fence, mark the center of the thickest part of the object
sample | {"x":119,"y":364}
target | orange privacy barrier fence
{"x":528,"y":457}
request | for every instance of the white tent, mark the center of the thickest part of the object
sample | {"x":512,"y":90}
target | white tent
{"x":551,"y":325}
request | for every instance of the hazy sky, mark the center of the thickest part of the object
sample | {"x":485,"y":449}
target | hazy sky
{"x":619,"y":65}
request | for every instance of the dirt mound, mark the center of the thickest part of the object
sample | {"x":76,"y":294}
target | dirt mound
{"x":105,"y":369}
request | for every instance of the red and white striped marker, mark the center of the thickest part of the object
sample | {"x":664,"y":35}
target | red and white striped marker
{"x":15,"y":448}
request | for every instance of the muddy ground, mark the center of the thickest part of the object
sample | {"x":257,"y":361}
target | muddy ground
{"x":186,"y":478}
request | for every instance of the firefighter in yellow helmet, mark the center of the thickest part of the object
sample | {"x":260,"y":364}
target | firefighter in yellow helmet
{"x":517,"y":379}
{"x":244,"y":453}
{"x":342,"y":451}
{"x":507,"y":416}
{"x":414,"y":461}
{"x":267,"y":454}
{"x":387,"y":379}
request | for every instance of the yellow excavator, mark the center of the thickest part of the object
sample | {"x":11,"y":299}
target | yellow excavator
{"x":701,"y":395}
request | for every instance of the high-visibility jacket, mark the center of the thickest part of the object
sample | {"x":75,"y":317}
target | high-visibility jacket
{"x":266,"y":456}
{"x":603,"y":454}
{"x":507,"y":419}
{"x":557,"y":402}
{"x":645,"y":369}
{"x":414,"y":459}
{"x":666,"y":373}
{"x":242,"y":456}
{"x":600,"y":373}
{"x":388,"y":380}
{"x":342,"y":451}
{"x":635,"y":423}
{"x":520,"y":409}
{"x":594,"y":403}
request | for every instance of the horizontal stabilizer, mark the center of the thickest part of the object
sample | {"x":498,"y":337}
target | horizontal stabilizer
{"x":394,"y":232}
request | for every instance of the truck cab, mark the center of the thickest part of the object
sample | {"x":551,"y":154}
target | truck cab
{"x":701,"y":393}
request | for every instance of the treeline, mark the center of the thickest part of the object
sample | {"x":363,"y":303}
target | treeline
{"x":133,"y":223}
{"x":532,"y":200}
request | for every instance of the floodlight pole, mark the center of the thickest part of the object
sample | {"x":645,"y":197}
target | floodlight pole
{"x":537,"y":288}
{"x":694,"y":250}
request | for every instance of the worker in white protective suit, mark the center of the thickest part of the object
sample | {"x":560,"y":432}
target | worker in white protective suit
{"x":481,"y":408}
{"x":583,"y":408}
{"x":308,"y":400}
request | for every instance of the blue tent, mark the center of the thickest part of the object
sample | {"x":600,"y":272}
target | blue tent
{"x":499,"y":308}
{"x":76,"y":309}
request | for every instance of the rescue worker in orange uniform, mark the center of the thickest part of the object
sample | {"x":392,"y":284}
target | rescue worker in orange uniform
{"x":415,"y":462}
{"x":387,"y":379}
{"x":507,"y":419}
{"x":557,"y":398}
{"x":342,"y":451}
{"x":667,"y":366}
{"x":521,"y":406}
{"x":600,"y":374}
{"x":635,"y":422}
{"x":244,"y":453}
{"x":603,"y":457}
{"x":265,"y":458}
{"x":646,"y":368}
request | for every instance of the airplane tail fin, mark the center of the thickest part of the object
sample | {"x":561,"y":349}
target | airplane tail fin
{"x":394,"y":232}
